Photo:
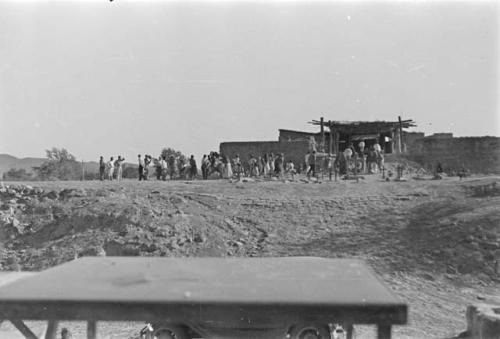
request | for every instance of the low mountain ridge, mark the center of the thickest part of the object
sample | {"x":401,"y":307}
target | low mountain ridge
{"x":8,"y":162}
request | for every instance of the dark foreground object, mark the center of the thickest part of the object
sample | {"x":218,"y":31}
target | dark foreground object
{"x":215,"y":297}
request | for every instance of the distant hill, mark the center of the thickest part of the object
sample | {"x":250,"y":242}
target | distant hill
{"x":8,"y":161}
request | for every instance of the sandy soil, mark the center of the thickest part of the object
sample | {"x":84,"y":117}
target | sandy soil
{"x":435,"y":243}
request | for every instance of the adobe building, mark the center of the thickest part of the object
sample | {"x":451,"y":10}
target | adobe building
{"x":476,"y":154}
{"x":295,"y":144}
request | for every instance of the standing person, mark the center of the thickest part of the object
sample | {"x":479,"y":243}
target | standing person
{"x":237,"y":165}
{"x":371,"y":161}
{"x":252,"y":164}
{"x":158,"y":168}
{"x":229,"y":169}
{"x":111,"y":168}
{"x":260,"y":165}
{"x":119,"y":167}
{"x":181,"y":166}
{"x":172,"y":165}
{"x":267,"y":168}
{"x":164,"y":168}
{"x":290,"y":169}
{"x":380,"y":160}
{"x":205,"y":165}
{"x":351,"y":146}
{"x":271,"y":164}
{"x":193,"y":169}
{"x":141,"y":167}
{"x":147,"y":161}
{"x":362,"y":156}
{"x":312,"y":165}
{"x":224,"y":161}
{"x":102,"y":168}
{"x":306,"y":161}
{"x":279,"y":165}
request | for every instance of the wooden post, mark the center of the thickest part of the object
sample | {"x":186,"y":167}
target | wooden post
{"x":330,"y":138}
{"x":51,"y":332}
{"x":398,"y":141}
{"x":393,"y":144}
{"x":91,"y":329}
{"x":83,"y":171}
{"x":322,"y":125}
{"x":400,"y":134}
{"x":337,"y":141}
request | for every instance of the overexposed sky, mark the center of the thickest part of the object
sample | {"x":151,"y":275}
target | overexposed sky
{"x":108,"y":78}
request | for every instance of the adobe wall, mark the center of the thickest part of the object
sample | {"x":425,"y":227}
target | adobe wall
{"x":477,"y":154}
{"x":295,"y":151}
{"x":410,"y":138}
{"x":287,"y":136}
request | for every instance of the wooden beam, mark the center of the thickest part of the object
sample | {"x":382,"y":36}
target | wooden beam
{"x":401,"y":132}
{"x":25,"y":330}
{"x":51,"y":332}
{"x":337,"y":141}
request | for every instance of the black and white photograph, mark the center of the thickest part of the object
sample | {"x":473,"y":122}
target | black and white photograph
{"x":249,"y":169}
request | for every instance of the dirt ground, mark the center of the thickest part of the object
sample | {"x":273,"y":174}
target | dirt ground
{"x":435,"y":243}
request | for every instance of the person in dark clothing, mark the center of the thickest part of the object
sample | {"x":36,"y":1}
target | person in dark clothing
{"x":141,"y":167}
{"x":205,"y":164}
{"x":158,"y":168}
{"x":279,"y":165}
{"x":192,"y":168}
{"x":439,"y":168}
{"x":102,"y":168}
{"x":147,"y":161}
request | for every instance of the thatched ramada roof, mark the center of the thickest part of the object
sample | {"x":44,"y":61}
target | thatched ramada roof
{"x":364,"y":127}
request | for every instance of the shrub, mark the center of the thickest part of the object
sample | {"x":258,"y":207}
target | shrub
{"x":17,"y":174}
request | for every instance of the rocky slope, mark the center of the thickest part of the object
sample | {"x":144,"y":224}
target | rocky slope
{"x":436,"y":243}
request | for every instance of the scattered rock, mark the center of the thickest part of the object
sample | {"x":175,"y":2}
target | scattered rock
{"x":69,"y":193}
{"x":490,"y":245}
{"x":37,"y":191}
{"x":198,"y":238}
{"x":404,"y":198}
{"x":51,"y":195}
{"x":176,"y":199}
{"x":451,"y":270}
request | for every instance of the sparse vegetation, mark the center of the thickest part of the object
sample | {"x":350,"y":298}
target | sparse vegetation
{"x":167,"y":152}
{"x":17,"y":174}
{"x":62,"y":165}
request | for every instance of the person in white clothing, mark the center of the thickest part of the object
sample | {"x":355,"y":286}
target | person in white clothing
{"x":111,"y":168}
{"x":119,"y":167}
{"x":164,"y":168}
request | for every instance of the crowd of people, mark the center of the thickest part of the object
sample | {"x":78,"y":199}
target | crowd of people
{"x":111,"y":169}
{"x":163,"y":166}
{"x":264,"y":165}
{"x":360,"y":160}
